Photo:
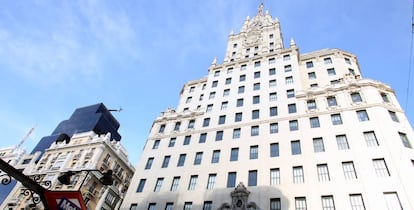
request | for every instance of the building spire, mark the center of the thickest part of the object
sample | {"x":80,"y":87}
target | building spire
{"x":260,"y":10}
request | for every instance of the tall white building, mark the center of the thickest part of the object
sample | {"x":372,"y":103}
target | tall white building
{"x":270,"y":128}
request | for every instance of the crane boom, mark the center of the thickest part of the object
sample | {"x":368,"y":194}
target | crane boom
{"x":24,"y":138}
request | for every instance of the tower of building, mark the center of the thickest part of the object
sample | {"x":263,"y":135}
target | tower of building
{"x":271,"y":128}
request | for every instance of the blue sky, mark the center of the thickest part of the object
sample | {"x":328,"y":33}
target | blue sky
{"x":56,"y":56}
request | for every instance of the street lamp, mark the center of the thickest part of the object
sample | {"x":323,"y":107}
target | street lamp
{"x":106,"y":178}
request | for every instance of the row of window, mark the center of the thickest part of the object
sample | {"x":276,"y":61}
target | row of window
{"x":356,"y":202}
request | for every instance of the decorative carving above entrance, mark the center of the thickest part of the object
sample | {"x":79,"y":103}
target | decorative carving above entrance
{"x":239,"y":200}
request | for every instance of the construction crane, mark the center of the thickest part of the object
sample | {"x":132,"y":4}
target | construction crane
{"x":24,"y":138}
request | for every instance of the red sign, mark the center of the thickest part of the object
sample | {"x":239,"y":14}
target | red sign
{"x":65,"y":200}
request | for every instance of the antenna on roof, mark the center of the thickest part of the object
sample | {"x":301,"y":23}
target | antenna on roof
{"x":115,"y":110}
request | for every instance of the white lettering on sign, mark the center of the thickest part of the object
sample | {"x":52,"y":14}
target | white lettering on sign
{"x":65,"y":204}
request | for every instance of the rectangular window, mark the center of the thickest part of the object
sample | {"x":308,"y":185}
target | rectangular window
{"x":216,"y":73}
{"x":252,"y":181}
{"x":156,"y":144}
{"x":311,"y":104}
{"x":257,"y":64}
{"x":255,"y":114}
{"x":349,"y":170}
{"x":274,"y":127}
{"x":300,"y":203}
{"x":273,"y":96}
{"x":371,"y":139}
{"x":224,"y":105}
{"x":216,"y":156}
{"x":275,"y":204}
{"x":243,"y":67}
{"x":172,"y":142}
{"x":286,"y":57}
{"x":309,"y":64}
{"x":141,"y":185}
{"x":211,"y":181}
{"x":234,"y":155}
{"x":293,"y":125}
{"x":188,"y":205}
{"x":318,"y":145}
{"x":362,"y":115}
{"x":191,"y":124}
{"x":133,"y":206}
{"x":328,"y":203}
{"x":166,"y":161}
{"x":151,"y":206}
{"x":290,"y":93}
{"x":405,"y":140}
{"x":289,"y":80}
{"x":236,"y":133}
{"x":214,"y":83}
{"x":336,"y":119}
{"x":149,"y":163}
{"x":231,"y":179}
{"x":174,"y":184}
{"x":272,"y":83}
{"x":209,"y":108}
{"x":222,"y":119}
{"x":380,"y":167}
{"x":298,"y":177}
{"x":203,"y":138}
{"x":226,"y":92}
{"x":331,"y":71}
{"x":392,"y":201}
{"x":240,"y":102}
{"x":312,"y":75}
{"x":356,"y":97}
{"x":254,"y":130}
{"x":177,"y":126}
{"x":357,"y":203}
{"x":347,"y":60}
{"x":272,"y":71}
{"x":228,"y":81}
{"x":219,"y":135}
{"x":273,"y":111}
{"x":188,"y":100}
{"x":254,"y":152}
{"x":342,"y":142}
{"x":257,"y":74}
{"x":385,"y":98}
{"x":241,"y":89}
{"x":393,"y":116}
{"x":242,"y":78}
{"x":238,"y":117}
{"x":162,"y":128}
{"x":169,"y":206}
{"x":193,"y":182}
{"x":274,"y":150}
{"x":314,"y":122}
{"x":323,"y":172}
{"x":208,"y":205}
{"x":295,"y":147}
{"x":327,"y":60}
{"x":158,"y":184}
{"x":331,"y":101}
{"x":181,"y":160}
{"x":256,"y":99}
{"x":274,"y":176}
{"x":198,"y":158}
{"x":187,"y":140}
{"x":256,"y":86}
{"x":291,"y":108}
{"x":212,"y":95}
{"x":288,"y":68}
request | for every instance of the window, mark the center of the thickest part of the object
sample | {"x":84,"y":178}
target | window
{"x":356,"y":97}
{"x":149,"y":163}
{"x":191,"y":89}
{"x":254,"y":152}
{"x":392,"y":201}
{"x":231,"y":179}
{"x":298,"y":175}
{"x":257,"y":74}
{"x":312,"y":75}
{"x":331,"y":101}
{"x":309,"y":64}
{"x":270,"y":36}
{"x":336,"y":119}
{"x":238,"y":117}
{"x":370,"y":139}
{"x":228,"y":81}
{"x":242,"y":78}
{"x":289,"y":80}
{"x":295,"y":147}
{"x":226,"y":92}
{"x":256,"y":86}
{"x":272,"y":71}
{"x":166,"y":161}
{"x":219,"y":135}
{"x":273,"y":96}
{"x":300,"y":203}
{"x":206,"y":122}
{"x":290,"y":93}
{"x":252,"y":181}
{"x":274,"y":176}
{"x":357,"y":203}
{"x":380,"y":167}
{"x":172,"y":142}
{"x":212,"y":95}
{"x":318,"y":145}
{"x":256,"y":99}
{"x":243,"y":67}
{"x":328,"y":203}
{"x":169,"y":206}
{"x":274,"y":127}
{"x":214,"y":84}
{"x":293,"y":125}
{"x":254,"y":130}
{"x":291,"y":108}
{"x":274,"y":150}
{"x":272,"y":83}
{"x":311,"y":104}
{"x":347,"y":60}
{"x":385,"y":98}
{"x":191,"y":124}
{"x":405,"y":140}
{"x":331,"y":71}
{"x":236,"y":133}
{"x":257,"y":64}
{"x":342,"y":142}
{"x":151,"y":206}
{"x":323,"y":172}
{"x":393,"y":116}
{"x":241,"y":89}
{"x":193,"y":182}
{"x":275,"y":204}
{"x":162,"y":128}
{"x":288,"y":68}
{"x":314,"y":122}
{"x":204,"y":86}
{"x":255,"y":114}
{"x":141,"y":185}
{"x":208,"y":205}
{"x":273,"y":111}
{"x":158,"y":184}
{"x":188,"y":205}
{"x":222,"y":119}
{"x":216,"y":73}
{"x":211,"y":181}
{"x":198,"y":158}
{"x":239,"y":102}
{"x":224,"y":105}
{"x":188,"y":100}
{"x":349,"y":170}
{"x":181,"y":160}
{"x":327,"y":60}
{"x":156,"y":144}
{"x":234,"y":155}
{"x":174,"y":184}
{"x":216,"y":156}
{"x":362,"y":115}
{"x":201,"y":97}
{"x":230,"y":70}
{"x":203,"y":138}
{"x":209,"y":108}
{"x":187,"y":140}
{"x":286,"y":57}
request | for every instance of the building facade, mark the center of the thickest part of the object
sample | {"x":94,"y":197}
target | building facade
{"x":271,"y":128}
